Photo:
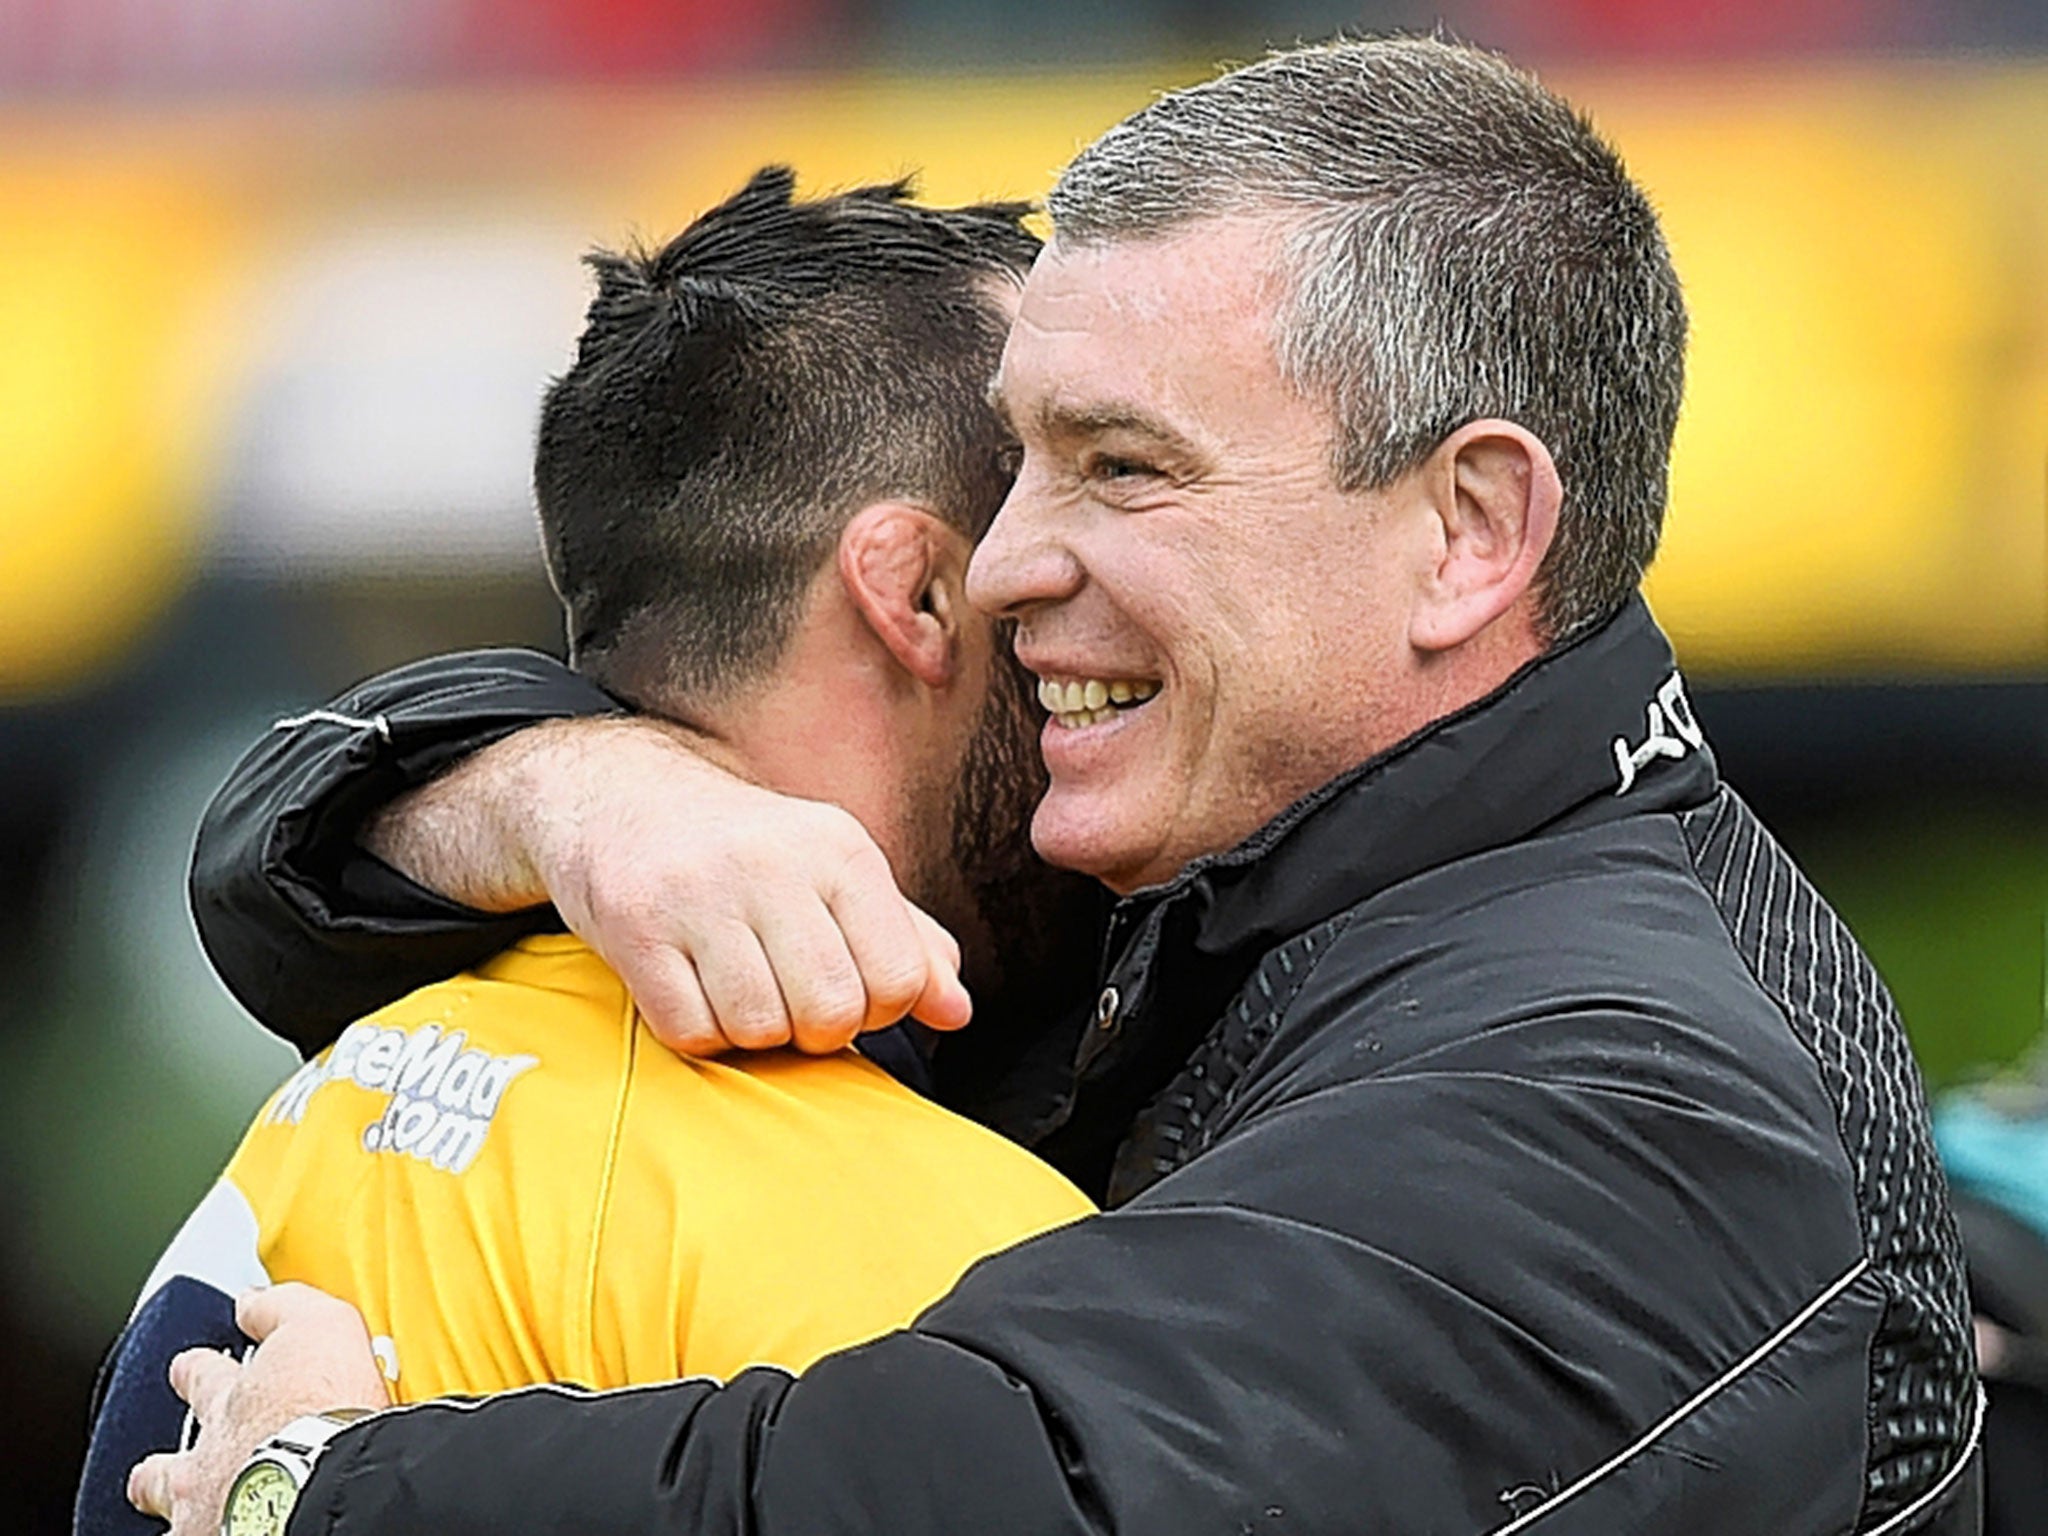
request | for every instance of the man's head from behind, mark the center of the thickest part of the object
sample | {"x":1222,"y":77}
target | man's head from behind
{"x":759,"y":484}
{"x":1346,"y":387}
{"x":741,"y":392}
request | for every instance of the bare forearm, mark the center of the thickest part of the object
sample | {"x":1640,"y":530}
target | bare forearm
{"x":461,"y":835}
{"x":483,"y":832}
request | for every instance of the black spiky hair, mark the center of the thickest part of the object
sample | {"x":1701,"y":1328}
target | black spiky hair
{"x":739,"y":392}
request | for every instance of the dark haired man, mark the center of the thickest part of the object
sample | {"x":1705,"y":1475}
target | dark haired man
{"x":1499,"y":1134}
{"x":502,"y":1172}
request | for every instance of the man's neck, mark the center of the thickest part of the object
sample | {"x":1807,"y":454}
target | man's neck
{"x":824,"y":726}
{"x":804,"y":736}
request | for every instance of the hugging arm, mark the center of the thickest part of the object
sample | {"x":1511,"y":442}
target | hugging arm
{"x":1268,"y":1339}
{"x":424,"y":820}
{"x":306,"y":927}
{"x":1309,"y":1325}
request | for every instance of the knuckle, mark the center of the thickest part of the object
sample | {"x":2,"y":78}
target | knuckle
{"x":691,"y":1038}
{"x":679,"y":1023}
{"x":294,"y":1298}
{"x":863,"y":861}
{"x":895,"y":980}
{"x":827,"y":1044}
{"x":833,"y":1022}
{"x":823,"y":1045}
{"x":184,"y":1368}
{"x":660,"y":979}
{"x":835,"y":821}
{"x":672,"y":1020}
{"x":752,"y":1019}
{"x":841,"y":836}
{"x":843,"y":1033}
{"x":820,"y":969}
{"x":757,"y":1029}
{"x":933,"y":933}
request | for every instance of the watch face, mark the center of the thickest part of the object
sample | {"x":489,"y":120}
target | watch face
{"x":260,"y":1502}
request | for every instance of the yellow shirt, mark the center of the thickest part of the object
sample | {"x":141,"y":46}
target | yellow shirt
{"x":515,"y":1183}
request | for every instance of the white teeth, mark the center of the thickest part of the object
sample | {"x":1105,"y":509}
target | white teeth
{"x":1074,"y":722}
{"x":1089,"y":702}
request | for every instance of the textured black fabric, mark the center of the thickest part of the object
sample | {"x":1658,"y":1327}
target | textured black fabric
{"x":1481,"y":1161}
{"x":307,"y":930}
{"x":1923,"y":1388}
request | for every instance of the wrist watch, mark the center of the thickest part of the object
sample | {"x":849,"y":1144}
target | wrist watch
{"x":261,"y":1497}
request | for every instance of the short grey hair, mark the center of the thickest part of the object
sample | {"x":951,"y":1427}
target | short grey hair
{"x":1461,"y":243}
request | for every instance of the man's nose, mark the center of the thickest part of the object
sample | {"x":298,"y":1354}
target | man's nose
{"x":1021,"y":560}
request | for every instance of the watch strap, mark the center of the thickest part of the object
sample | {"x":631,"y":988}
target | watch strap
{"x":307,"y":1436}
{"x":293,"y":1451}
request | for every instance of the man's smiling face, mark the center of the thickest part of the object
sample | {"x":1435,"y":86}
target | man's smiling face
{"x":1218,"y":629}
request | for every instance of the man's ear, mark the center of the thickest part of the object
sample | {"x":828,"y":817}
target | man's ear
{"x":904,"y":570}
{"x":1494,"y":490}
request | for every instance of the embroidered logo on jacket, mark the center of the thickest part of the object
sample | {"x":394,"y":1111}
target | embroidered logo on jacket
{"x":1670,"y":708}
{"x":444,"y":1094}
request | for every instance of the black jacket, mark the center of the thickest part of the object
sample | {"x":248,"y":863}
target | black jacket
{"x":1506,"y":1138}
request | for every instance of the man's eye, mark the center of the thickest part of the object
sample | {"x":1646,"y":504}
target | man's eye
{"x":1107,"y":466}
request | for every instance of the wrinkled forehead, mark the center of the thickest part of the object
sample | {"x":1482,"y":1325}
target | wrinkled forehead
{"x":1219,"y":261}
{"x":1201,"y":296}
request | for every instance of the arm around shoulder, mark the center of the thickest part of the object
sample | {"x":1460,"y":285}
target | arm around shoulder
{"x":307,"y":928}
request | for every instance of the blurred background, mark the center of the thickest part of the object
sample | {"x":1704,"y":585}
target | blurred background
{"x":281,"y":282}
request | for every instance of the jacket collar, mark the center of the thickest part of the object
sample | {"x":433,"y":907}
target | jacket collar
{"x":1595,"y":730}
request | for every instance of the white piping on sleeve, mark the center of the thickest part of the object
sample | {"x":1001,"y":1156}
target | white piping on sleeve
{"x":375,"y":723}
{"x":1714,"y":1388}
{"x":1692,"y":1404}
{"x":566,"y":1389}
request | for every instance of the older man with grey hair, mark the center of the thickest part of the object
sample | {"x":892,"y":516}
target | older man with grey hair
{"x":1497,"y":1132}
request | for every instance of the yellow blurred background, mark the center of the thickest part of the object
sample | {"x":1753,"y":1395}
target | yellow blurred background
{"x":1862,"y":477}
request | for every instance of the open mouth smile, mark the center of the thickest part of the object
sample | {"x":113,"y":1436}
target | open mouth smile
{"x":1074,"y":702}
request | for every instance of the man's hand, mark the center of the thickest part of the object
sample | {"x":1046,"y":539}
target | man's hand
{"x":736,"y":916}
{"x":312,"y":1356}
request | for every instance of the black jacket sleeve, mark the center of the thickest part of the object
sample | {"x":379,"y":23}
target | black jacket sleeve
{"x":307,"y":929}
{"x":1385,"y":1306}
